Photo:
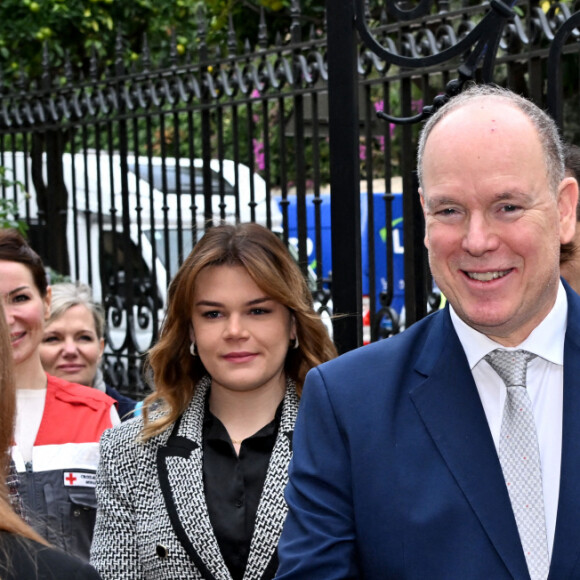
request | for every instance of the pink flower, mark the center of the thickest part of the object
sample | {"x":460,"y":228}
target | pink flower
{"x":362,"y":151}
{"x":259,"y":157}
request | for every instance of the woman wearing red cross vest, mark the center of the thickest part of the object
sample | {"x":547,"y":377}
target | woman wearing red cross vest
{"x":58,"y":423}
{"x":23,"y":553}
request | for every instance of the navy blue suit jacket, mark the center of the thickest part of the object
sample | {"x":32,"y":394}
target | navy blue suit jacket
{"x":395,"y":473}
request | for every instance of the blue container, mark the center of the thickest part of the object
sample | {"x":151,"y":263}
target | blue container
{"x":379,"y":237}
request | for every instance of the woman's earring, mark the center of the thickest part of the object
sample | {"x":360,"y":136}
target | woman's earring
{"x":192,"y":349}
{"x":296,"y":343}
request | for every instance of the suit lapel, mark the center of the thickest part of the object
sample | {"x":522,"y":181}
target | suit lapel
{"x":449,"y":405}
{"x":566,"y":551}
{"x":181,"y":477}
{"x":272,"y":507}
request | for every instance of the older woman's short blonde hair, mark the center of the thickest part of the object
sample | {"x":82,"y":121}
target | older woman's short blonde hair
{"x":65,"y":295}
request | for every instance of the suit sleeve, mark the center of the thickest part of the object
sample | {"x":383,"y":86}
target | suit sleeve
{"x":114,"y":549}
{"x":318,"y":540}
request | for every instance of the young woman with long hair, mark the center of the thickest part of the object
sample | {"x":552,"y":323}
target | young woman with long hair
{"x":194,"y":488}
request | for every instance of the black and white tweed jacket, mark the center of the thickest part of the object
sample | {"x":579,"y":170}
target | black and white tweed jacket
{"x":152,"y":519}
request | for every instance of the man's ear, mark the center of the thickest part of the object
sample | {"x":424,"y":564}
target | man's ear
{"x":422,"y":198}
{"x":567,"y":203}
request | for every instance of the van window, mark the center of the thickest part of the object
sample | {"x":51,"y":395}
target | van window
{"x":217,"y":181}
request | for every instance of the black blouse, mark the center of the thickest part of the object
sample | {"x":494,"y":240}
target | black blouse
{"x":233,"y":485}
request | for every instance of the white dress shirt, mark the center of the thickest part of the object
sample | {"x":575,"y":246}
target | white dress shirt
{"x":545,"y":384}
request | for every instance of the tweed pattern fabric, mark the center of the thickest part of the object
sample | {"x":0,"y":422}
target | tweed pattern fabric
{"x":131,"y":516}
{"x":134,"y":535}
{"x":187,"y":491}
{"x":12,"y":482}
{"x":519,"y":456}
{"x":272,"y":508}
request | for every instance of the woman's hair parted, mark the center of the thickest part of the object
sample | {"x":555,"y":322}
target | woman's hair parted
{"x":265,"y":258}
{"x":65,"y":295}
{"x":14,"y":248}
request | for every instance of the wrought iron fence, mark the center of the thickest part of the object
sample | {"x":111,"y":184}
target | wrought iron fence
{"x":127,"y":167}
{"x":427,"y":51}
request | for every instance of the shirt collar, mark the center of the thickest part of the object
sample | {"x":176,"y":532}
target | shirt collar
{"x":546,"y":340}
{"x":214,"y":428}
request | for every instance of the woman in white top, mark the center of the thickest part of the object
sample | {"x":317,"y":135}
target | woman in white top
{"x":23,"y":553}
{"x":58,"y":424}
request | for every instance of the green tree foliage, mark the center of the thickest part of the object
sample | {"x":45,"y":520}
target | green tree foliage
{"x":8,"y":209}
{"x":245,"y":17}
{"x":82,"y":28}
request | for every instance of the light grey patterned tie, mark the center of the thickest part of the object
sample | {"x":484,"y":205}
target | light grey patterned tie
{"x":519,"y":456}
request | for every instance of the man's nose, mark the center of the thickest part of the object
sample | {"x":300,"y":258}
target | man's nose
{"x":480,"y":237}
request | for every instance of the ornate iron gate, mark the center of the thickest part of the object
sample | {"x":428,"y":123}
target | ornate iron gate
{"x":437,"y":46}
{"x":128,"y":165}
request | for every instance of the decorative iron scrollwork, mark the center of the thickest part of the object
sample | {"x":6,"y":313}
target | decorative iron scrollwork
{"x":426,"y":49}
{"x":570,"y":27}
{"x":434,"y":41}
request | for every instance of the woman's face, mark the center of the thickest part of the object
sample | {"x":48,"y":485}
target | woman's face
{"x":71,"y":348}
{"x":241,"y":334}
{"x":25,"y":310}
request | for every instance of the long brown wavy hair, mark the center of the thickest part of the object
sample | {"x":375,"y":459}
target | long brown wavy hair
{"x":171,"y":367}
{"x":9,"y":520}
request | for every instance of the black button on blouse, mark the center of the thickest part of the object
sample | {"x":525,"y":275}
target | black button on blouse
{"x":233,"y":486}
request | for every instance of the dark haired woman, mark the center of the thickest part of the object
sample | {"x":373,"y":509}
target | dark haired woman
{"x":23,"y":553}
{"x":58,"y":423}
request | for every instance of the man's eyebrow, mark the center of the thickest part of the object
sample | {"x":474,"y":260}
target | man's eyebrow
{"x":439,"y":200}
{"x":508,"y":195}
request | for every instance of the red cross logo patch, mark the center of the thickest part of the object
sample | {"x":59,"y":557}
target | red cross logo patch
{"x":79,"y":479}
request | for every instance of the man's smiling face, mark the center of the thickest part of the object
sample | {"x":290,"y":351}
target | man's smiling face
{"x":493,"y":226}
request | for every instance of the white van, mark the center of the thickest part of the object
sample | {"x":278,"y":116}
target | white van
{"x":179,"y":180}
{"x":165,"y":210}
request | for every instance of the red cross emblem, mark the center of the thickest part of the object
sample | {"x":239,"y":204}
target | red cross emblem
{"x":70,"y":478}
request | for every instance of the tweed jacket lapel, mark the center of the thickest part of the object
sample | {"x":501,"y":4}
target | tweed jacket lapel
{"x":272,"y":507}
{"x":181,"y":478}
{"x":180,"y":472}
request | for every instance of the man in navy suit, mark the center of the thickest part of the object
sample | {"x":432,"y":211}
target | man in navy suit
{"x":396,"y":470}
